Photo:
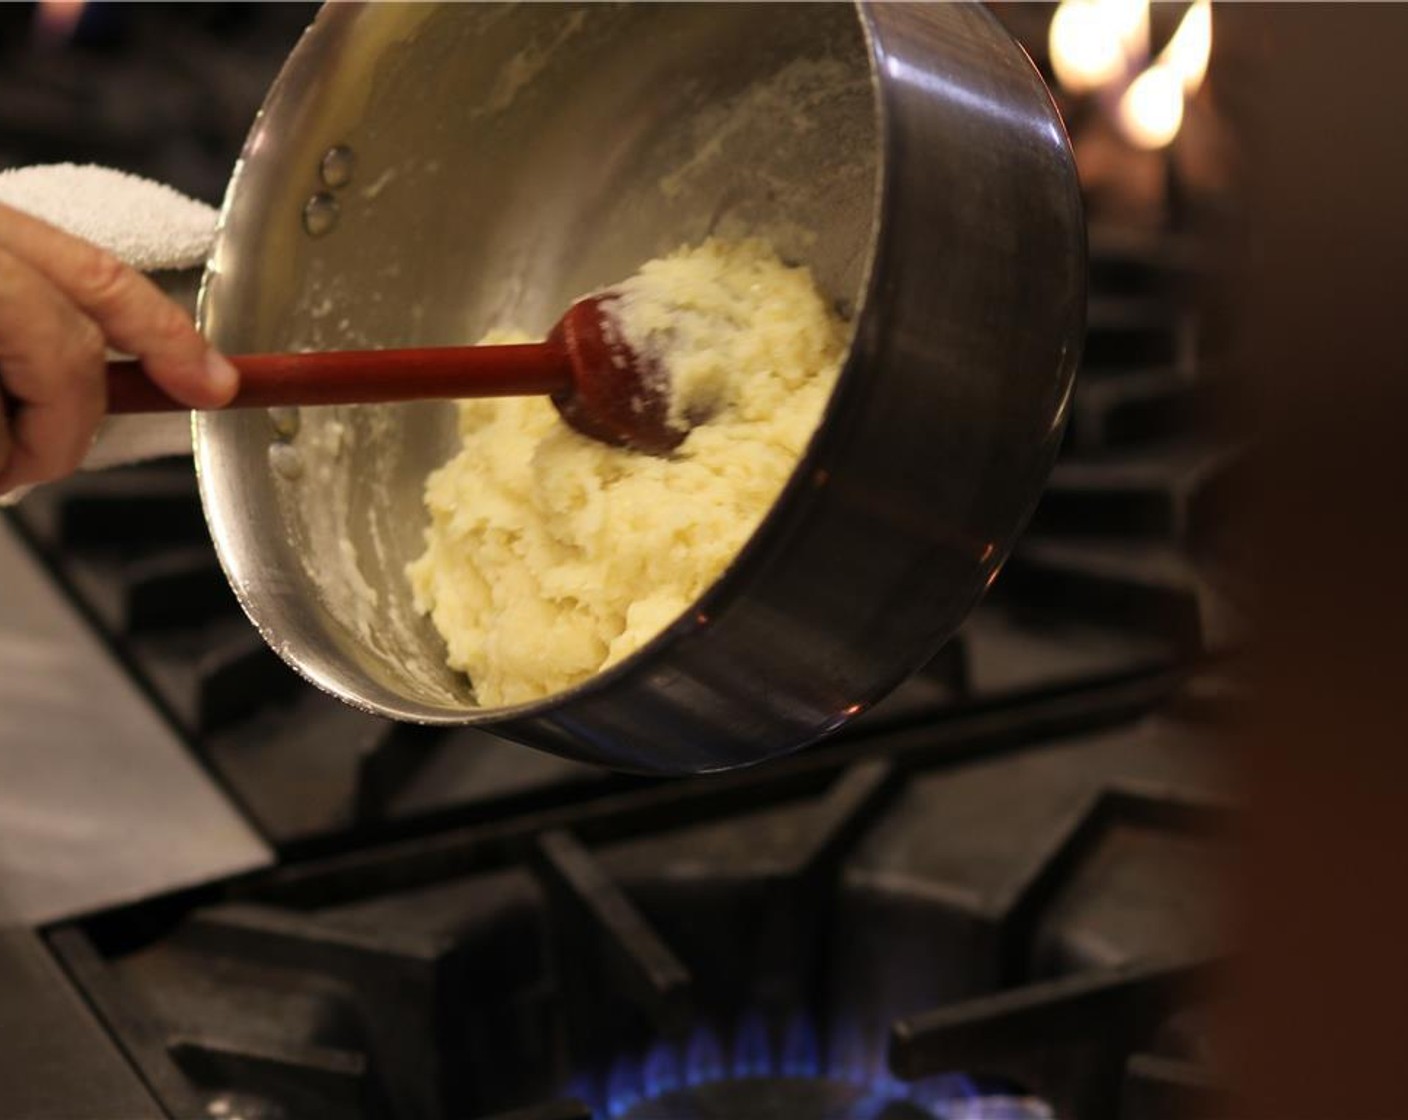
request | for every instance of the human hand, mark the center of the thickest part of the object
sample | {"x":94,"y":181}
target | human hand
{"x":63,"y":303}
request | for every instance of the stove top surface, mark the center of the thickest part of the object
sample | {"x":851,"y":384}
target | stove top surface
{"x":985,"y":899}
{"x":994,"y":896}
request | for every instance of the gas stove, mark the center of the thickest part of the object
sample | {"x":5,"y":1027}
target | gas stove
{"x":993,"y":896}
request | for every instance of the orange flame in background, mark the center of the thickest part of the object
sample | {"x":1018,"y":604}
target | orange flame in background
{"x":1093,"y":41}
{"x":1190,"y":48}
{"x":1103,"y":46}
{"x":56,"y":20}
{"x":1150,"y":111}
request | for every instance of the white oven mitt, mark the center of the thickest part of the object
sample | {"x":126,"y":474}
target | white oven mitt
{"x":148,"y":226}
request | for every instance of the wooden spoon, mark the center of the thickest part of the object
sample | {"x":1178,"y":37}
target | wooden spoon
{"x":599,"y":384}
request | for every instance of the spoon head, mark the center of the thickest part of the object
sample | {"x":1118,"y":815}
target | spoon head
{"x":618,"y":395}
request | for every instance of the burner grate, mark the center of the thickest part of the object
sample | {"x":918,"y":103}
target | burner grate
{"x":965,"y":866}
{"x":1045,"y":1034}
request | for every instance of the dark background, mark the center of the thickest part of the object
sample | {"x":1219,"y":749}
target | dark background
{"x":1324,"y":884}
{"x":162,"y":90}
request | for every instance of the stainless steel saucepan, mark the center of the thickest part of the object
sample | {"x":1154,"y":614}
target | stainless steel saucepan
{"x":420,"y":173}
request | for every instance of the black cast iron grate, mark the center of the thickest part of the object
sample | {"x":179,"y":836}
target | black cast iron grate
{"x":1022,"y":895}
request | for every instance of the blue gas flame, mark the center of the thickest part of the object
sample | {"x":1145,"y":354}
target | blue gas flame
{"x":801,"y":1052}
{"x":662,"y":1071}
{"x":703,"y":1058}
{"x":623,"y":1087}
{"x":754,"y":1052}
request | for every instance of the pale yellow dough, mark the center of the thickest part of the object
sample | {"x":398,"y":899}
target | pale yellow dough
{"x":550,"y":556}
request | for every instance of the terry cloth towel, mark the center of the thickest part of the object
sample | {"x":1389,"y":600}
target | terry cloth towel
{"x":146,"y":225}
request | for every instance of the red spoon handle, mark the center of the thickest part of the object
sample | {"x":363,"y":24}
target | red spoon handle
{"x":365,"y":377}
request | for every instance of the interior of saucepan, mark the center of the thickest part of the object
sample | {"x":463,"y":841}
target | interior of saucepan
{"x":503,"y":161}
